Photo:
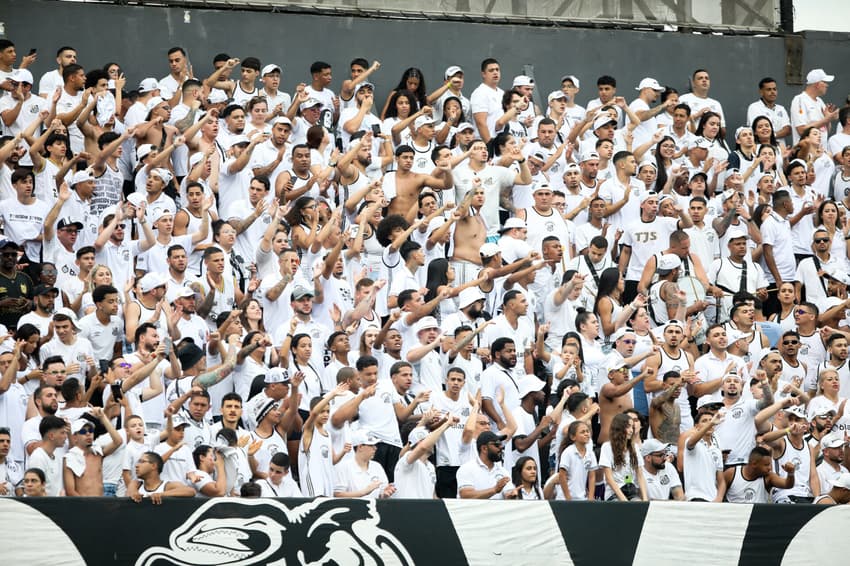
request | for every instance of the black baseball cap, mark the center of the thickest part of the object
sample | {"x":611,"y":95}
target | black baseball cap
{"x":487,"y":437}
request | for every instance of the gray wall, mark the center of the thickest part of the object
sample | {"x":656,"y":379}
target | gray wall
{"x":138,"y":38}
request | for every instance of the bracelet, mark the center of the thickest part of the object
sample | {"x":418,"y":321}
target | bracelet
{"x":331,"y":164}
{"x":521,"y":161}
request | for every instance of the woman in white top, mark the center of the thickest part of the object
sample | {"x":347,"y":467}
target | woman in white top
{"x":304,"y":220}
{"x":788,"y":303}
{"x":258,"y":112}
{"x":300,"y":346}
{"x":618,"y":459}
{"x":709,"y":128}
{"x":401,"y":110}
{"x":766,"y":164}
{"x":829,"y":385}
{"x":827,"y":217}
{"x":99,"y":275}
{"x":525,"y":478}
{"x":611,"y":313}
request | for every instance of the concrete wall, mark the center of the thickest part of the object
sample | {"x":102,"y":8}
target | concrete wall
{"x":138,"y":38}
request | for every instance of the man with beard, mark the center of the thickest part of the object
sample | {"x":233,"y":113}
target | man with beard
{"x":594,"y":258}
{"x":190,"y":324}
{"x":12,"y":150}
{"x":751,"y":482}
{"x":714,"y":364}
{"x":737,"y":433}
{"x":471,"y":307}
{"x":545,"y":146}
{"x":516,"y":322}
{"x":670,"y":357}
{"x":662,"y":479}
{"x":792,"y":448}
{"x":83,"y":463}
{"x":484,"y":477}
{"x":299,"y":179}
{"x":271,"y":158}
{"x":665,"y":415}
{"x":500,"y":375}
{"x":836,"y":346}
{"x":822,"y":418}
{"x":543,"y":220}
{"x":46,"y":400}
{"x":830,"y":469}
{"x":44,"y":299}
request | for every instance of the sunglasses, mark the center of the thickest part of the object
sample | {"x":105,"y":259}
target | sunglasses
{"x":86,"y":430}
{"x":630,"y":342}
{"x":790,"y":342}
{"x":801,"y":312}
{"x":125,"y":365}
{"x":821,"y":240}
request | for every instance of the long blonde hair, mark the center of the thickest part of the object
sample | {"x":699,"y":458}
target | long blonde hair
{"x":90,"y":284}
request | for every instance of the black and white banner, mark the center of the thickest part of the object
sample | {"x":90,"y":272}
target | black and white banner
{"x":254,"y":532}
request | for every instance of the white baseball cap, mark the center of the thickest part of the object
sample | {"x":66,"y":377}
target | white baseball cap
{"x":270,"y":69}
{"x":555,"y":95}
{"x":22,"y":76}
{"x":604,"y":120}
{"x":523,"y":80}
{"x":148,"y":85}
{"x":669,"y":262}
{"x":571,"y":78}
{"x":452,"y":71}
{"x":422,"y":121}
{"x":529,"y":384}
{"x":649,"y":83}
{"x":818,"y":75}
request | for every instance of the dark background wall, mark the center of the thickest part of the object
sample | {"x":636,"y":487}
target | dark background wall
{"x":138,"y":38}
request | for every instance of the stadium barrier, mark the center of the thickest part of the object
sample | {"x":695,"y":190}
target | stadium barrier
{"x":245,"y":532}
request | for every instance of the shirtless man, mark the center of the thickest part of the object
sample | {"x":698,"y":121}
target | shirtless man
{"x":469,"y":235}
{"x":403,"y":186}
{"x":615,"y":397}
{"x":671,"y":357}
{"x":83,"y":465}
{"x":665,"y":415}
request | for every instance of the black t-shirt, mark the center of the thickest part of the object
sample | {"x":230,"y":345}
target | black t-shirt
{"x":19,"y":286}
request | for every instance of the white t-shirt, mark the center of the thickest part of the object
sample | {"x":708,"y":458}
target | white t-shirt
{"x":102,"y":337}
{"x":805,"y":110}
{"x":50,"y":81}
{"x":414,"y":480}
{"x":697,"y":103}
{"x":578,"y":467}
{"x":52,"y":468}
{"x":351,"y":477}
{"x":660,"y":485}
{"x":23,"y":223}
{"x":622,"y":475}
{"x":489,"y":100}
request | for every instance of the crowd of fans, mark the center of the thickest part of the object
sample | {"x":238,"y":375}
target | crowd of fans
{"x":211,"y":287}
